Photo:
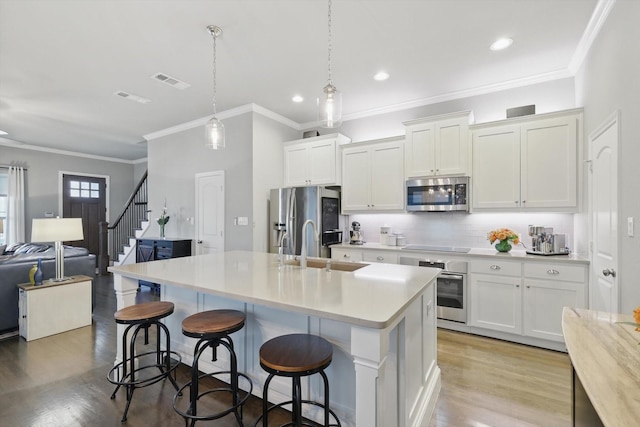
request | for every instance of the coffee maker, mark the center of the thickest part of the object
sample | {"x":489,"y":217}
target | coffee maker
{"x":355,"y":234}
{"x":545,"y":242}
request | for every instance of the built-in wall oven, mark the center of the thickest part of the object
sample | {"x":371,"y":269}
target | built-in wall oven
{"x":451,"y":287}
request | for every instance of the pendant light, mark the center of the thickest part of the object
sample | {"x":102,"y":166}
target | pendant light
{"x":214,"y":128}
{"x":330,"y":100}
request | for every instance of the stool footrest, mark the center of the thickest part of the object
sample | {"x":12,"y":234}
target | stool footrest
{"x":187,"y":413}
{"x":114,"y":374}
{"x":308,"y":402}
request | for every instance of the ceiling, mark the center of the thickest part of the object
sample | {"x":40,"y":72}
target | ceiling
{"x":61,"y":61}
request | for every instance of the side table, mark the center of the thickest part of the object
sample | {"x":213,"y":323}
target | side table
{"x":54,"y":307}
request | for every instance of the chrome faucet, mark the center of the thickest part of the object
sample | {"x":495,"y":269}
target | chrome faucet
{"x":303,"y":249}
{"x":283,"y":236}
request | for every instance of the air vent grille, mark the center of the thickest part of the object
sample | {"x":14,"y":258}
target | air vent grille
{"x":171,"y":81}
{"x":131,"y":97}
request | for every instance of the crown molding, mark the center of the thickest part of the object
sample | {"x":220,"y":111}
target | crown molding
{"x":21,"y":145}
{"x":599,"y":17}
{"x":248,"y":108}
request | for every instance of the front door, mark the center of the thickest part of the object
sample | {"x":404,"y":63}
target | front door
{"x":604,"y":294}
{"x":84,"y":197}
{"x":209,"y":212}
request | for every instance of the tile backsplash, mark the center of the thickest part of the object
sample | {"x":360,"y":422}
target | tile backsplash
{"x":460,"y":228}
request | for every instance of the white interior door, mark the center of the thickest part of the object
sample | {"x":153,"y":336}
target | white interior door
{"x":209,"y":212}
{"x":604,"y":289}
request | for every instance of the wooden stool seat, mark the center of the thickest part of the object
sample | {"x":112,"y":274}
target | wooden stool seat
{"x":145,"y":312}
{"x":296,"y":354}
{"x":209,"y":324}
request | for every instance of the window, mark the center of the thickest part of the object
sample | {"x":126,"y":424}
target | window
{"x":84,"y":189}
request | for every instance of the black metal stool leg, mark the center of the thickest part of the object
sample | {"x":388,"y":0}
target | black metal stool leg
{"x":326,"y":398}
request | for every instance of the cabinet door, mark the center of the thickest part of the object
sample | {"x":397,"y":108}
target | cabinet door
{"x":452,"y":147}
{"x":496,"y":167}
{"x":496,"y":303}
{"x":549,"y":155}
{"x":387,"y":177}
{"x":296,"y":168}
{"x":356,"y":179}
{"x":543,"y":304}
{"x":419,"y":150}
{"x":322,"y":163}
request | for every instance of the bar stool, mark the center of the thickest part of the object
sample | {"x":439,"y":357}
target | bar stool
{"x":296,"y":356}
{"x":128,"y":373}
{"x":212,"y":328}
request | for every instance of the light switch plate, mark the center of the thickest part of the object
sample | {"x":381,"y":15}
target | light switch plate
{"x":243,"y":220}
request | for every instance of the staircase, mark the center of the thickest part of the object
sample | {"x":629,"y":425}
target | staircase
{"x":118,"y":241}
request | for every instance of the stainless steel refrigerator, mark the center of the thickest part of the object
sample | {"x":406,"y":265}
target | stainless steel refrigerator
{"x":289,"y":208}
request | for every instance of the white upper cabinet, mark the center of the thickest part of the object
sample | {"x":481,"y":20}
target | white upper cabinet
{"x":373,"y":176}
{"x":527,"y":163}
{"x":438,"y":145}
{"x":313,"y":161}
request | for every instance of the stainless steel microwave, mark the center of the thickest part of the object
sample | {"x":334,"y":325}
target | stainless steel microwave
{"x":438,"y":194}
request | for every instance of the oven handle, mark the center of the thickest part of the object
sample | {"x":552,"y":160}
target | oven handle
{"x":452,"y":276}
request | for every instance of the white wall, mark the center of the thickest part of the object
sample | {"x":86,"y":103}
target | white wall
{"x":608,"y":81}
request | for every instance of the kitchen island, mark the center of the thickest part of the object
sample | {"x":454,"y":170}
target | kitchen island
{"x":380,"y":320}
{"x":605,"y":356}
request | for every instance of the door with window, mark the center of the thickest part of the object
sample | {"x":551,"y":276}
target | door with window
{"x":84,"y":197}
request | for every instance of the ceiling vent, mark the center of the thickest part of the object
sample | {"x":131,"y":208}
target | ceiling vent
{"x":171,"y":81}
{"x":132,"y":97}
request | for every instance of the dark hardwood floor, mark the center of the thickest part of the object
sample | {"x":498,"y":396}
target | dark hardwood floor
{"x":61,"y":381}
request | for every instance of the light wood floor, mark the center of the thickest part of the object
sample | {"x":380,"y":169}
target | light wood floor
{"x":61,"y":381}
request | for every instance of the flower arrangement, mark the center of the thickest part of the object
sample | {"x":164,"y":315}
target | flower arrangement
{"x":504,"y":236}
{"x":164,"y":219}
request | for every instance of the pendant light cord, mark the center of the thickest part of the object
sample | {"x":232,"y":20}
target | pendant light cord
{"x":214,"y":73}
{"x":329,"y":41}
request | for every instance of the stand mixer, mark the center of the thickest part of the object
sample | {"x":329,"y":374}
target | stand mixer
{"x":355,"y":234}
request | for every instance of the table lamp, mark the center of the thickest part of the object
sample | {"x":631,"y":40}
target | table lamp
{"x":57,"y":230}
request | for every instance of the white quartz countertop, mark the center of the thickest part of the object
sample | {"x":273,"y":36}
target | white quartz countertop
{"x":490,"y":252}
{"x":373,"y":296}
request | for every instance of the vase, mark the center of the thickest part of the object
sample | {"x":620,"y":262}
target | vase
{"x":503,"y":246}
{"x":37,"y":276}
{"x":32,"y":273}
{"x":162,"y":231}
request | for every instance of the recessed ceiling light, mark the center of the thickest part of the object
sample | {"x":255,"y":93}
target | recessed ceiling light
{"x":297,"y":98}
{"x":3,"y":132}
{"x":381,"y":75}
{"x":501,"y":44}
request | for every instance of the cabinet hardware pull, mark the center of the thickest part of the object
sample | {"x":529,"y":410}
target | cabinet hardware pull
{"x":551,"y":271}
{"x":528,"y":287}
{"x":495,"y":267}
{"x":516,"y":202}
{"x":517,"y":286}
{"x":380,"y":258}
{"x":346,"y":256}
{"x":199,"y":242}
{"x":524,"y":201}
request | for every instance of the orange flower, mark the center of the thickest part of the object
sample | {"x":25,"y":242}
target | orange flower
{"x":503,"y":234}
{"x":636,"y":316}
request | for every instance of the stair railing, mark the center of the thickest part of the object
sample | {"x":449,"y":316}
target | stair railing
{"x":114,"y":237}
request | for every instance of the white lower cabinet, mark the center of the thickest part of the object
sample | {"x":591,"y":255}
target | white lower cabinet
{"x":380,"y":256}
{"x":352,"y":255}
{"x":528,"y":304}
{"x":496,"y":298}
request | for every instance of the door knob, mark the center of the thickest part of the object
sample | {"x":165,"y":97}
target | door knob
{"x":609,"y":272}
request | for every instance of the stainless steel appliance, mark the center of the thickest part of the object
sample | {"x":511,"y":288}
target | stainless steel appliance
{"x":438,"y":194}
{"x":545,"y":242}
{"x":288,"y":210}
{"x":451,"y":287}
{"x":355,"y":235}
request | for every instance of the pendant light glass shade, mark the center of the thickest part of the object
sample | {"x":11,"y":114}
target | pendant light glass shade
{"x":215,"y":133}
{"x":214,"y":129}
{"x":330,"y":100}
{"x":330,"y":107}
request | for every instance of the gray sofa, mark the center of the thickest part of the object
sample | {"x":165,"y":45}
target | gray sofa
{"x":15,"y":263}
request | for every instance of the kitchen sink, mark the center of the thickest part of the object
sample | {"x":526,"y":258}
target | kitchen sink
{"x":322,"y":263}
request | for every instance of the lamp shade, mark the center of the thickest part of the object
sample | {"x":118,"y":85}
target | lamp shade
{"x":56,"y":229}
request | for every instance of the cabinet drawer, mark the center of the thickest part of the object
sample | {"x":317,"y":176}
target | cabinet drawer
{"x":379,"y":256}
{"x":496,"y":267}
{"x":346,"y":255}
{"x":570,"y":273}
